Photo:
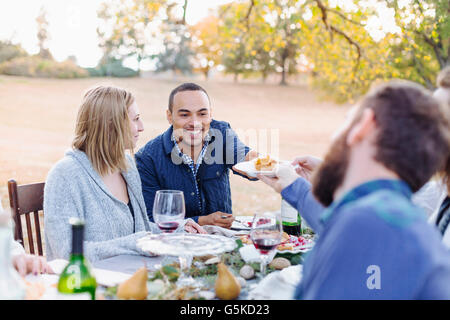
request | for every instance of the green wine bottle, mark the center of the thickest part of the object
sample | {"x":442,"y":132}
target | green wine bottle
{"x":76,"y":281}
{"x":292,"y":221}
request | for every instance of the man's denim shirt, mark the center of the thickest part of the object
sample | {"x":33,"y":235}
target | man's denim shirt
{"x":161,"y":168}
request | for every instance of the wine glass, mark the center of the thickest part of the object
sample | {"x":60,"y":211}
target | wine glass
{"x":168,"y":213}
{"x":168,"y":209}
{"x":266,"y":235}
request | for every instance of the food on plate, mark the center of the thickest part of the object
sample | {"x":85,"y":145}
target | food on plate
{"x":246,"y":239}
{"x":288,"y":242}
{"x":265,"y":164}
{"x":285,"y":246}
{"x":135,"y":287}
{"x":227,"y":287}
{"x":34,"y":290}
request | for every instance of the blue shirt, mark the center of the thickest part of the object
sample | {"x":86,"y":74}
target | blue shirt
{"x":373,"y":243}
{"x":191,"y":164}
{"x":161,"y":167}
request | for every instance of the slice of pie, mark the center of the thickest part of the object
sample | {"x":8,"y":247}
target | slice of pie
{"x":265,"y":164}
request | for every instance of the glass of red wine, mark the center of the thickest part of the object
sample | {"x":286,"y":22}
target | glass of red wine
{"x":168,"y":213}
{"x":168,"y":209}
{"x":266,"y":235}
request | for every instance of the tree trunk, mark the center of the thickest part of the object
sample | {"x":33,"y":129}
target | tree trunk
{"x":236,"y":76}
{"x":283,"y":75}
{"x":283,"y":65}
{"x":139,"y":67}
{"x":264,"y":77}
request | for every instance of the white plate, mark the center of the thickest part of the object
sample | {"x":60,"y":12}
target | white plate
{"x":249,"y":168}
{"x":237,"y":225}
{"x":254,"y":254}
{"x":298,"y":249}
{"x":176,"y":244}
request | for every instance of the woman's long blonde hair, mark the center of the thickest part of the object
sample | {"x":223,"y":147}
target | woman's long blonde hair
{"x":103,"y":129}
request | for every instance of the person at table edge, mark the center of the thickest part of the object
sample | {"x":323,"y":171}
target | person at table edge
{"x":433,"y":197}
{"x":373,"y":242}
{"x":194,"y":155}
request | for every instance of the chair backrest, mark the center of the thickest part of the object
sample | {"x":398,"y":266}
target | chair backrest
{"x":24,"y":200}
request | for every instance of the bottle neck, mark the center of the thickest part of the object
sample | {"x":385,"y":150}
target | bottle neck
{"x":77,"y":240}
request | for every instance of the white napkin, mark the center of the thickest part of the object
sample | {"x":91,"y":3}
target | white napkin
{"x":250,"y":254}
{"x":222,"y":231}
{"x":278,"y":285}
{"x":292,"y":275}
{"x":109,"y":278}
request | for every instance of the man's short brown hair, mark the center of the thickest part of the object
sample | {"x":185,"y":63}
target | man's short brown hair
{"x":443,"y":78}
{"x":413,"y":130}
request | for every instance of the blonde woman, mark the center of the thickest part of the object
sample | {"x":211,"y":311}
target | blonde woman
{"x":99,"y":183}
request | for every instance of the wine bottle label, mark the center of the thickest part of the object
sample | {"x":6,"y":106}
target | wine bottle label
{"x":289,"y":214}
{"x":73,"y":296}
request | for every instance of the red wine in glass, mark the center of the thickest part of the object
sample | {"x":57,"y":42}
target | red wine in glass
{"x":265,"y":245}
{"x":168,"y":209}
{"x":266,"y":235}
{"x":168,"y":227}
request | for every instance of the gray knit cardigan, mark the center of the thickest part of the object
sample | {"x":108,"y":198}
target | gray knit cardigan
{"x":74,"y":189}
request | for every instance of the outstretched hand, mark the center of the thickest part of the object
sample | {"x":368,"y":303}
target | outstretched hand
{"x":285,"y":175}
{"x":305,"y":166}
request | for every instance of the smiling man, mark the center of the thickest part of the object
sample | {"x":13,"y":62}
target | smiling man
{"x":194,"y":155}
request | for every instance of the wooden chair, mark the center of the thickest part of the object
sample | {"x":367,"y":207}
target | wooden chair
{"x":24,"y":200}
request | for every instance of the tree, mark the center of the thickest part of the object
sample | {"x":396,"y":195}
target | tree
{"x":42,"y":34}
{"x":344,"y":57}
{"x":338,"y":71}
{"x":416,"y":50}
{"x":287,"y":34}
{"x":266,"y":36}
{"x":177,"y":53}
{"x":206,"y":47}
{"x":423,"y":46}
{"x":235,"y":39}
{"x":128,"y":28}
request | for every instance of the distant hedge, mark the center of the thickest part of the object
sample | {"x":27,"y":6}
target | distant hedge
{"x":9,"y":51}
{"x":112,"y":69}
{"x":35,"y":66}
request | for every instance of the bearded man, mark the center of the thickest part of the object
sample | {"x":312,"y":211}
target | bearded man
{"x":373,"y":243}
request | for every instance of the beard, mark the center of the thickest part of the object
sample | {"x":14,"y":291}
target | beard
{"x":330,"y":174}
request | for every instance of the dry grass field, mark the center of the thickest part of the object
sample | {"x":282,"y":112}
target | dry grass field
{"x":37,"y":118}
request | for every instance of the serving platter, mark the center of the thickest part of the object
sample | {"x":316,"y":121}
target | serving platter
{"x":176,"y":244}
